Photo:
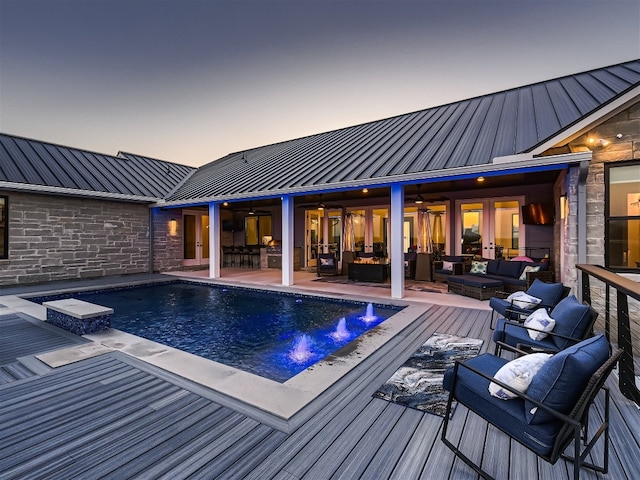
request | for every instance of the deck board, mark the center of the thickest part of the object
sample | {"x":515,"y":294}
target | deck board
{"x":111,"y":417}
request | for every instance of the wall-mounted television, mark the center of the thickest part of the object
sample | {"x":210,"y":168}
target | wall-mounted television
{"x":538,"y":214}
{"x":234,"y":225}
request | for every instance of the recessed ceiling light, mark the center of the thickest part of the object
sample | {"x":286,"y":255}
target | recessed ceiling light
{"x":480,"y":179}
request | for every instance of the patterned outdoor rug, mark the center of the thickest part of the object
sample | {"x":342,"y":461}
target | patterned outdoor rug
{"x":418,"y":382}
{"x":413,"y":285}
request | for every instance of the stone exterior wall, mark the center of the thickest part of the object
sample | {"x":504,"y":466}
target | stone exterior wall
{"x":62,"y":238}
{"x":167,"y":241}
{"x":626,"y":148}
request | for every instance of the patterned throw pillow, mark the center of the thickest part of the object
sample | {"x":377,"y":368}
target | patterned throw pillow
{"x":540,"y":320}
{"x":479,"y":267}
{"x":518,"y":374}
{"x":529,"y":268}
{"x":326,"y":262}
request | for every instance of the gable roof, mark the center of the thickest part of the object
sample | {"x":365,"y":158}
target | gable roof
{"x":450,"y":138}
{"x":48,"y":168}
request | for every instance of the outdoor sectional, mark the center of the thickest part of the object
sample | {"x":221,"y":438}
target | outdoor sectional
{"x":506,"y":275}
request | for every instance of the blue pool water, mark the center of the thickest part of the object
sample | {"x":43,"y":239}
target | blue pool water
{"x":253,"y":330}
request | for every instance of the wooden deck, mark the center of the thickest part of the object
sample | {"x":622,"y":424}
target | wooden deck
{"x":113,"y":416}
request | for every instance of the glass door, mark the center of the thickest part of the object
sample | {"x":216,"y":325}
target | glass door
{"x":506,"y":228}
{"x":195,"y":239}
{"x":334,"y":229}
{"x":371,"y":231}
{"x":312,"y":237}
{"x":323,"y":234}
{"x":379,"y":232}
{"x":490,"y":228}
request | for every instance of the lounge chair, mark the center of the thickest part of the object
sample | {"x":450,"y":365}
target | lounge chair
{"x":551,"y":415}
{"x":327,"y":264}
{"x":573,"y":323}
{"x":506,"y":305}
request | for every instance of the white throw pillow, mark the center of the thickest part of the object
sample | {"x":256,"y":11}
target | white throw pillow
{"x":529,"y":268}
{"x":518,"y":374}
{"x":540,"y":320}
{"x":523,"y":300}
{"x":447,"y":266}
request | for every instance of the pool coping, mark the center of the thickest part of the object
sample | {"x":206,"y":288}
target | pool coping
{"x":276,"y":404}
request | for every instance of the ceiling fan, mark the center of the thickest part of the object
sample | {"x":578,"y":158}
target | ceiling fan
{"x":419,"y":199}
{"x":319,"y":205}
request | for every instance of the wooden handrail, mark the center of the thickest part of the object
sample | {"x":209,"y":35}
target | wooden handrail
{"x":620,"y":283}
{"x":625,"y":288}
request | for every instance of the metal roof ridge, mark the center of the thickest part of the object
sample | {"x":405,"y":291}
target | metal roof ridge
{"x":29,"y":187}
{"x":153,"y":159}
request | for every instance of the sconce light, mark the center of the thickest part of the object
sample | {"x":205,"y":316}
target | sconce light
{"x":598,"y":142}
{"x":173,"y":227}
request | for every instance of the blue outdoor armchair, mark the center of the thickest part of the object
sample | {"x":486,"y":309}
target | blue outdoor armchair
{"x":551,"y":415}
{"x":549,"y":294}
{"x":573,"y":322}
{"x":327,"y":264}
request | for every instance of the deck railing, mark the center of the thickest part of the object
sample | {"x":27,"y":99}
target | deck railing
{"x":619,"y":320}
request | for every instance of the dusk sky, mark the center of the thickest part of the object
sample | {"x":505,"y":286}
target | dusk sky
{"x":190,"y":81}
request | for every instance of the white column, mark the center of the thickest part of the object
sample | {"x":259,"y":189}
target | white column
{"x":214,"y":240}
{"x":287,"y":240}
{"x":397,"y":253}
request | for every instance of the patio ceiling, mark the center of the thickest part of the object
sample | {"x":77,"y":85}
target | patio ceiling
{"x":377,"y":195}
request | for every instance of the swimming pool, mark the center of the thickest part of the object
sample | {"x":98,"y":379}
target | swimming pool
{"x":271,"y":334}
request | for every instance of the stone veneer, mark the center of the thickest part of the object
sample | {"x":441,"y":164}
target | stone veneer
{"x":167,"y":245}
{"x":626,"y":148}
{"x":63,"y":237}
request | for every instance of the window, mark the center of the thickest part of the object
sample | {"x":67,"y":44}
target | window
{"x":623,"y":216}
{"x":256,"y":227}
{"x":4,"y":227}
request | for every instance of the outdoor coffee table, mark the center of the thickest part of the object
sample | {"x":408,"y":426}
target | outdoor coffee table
{"x":369,"y":272}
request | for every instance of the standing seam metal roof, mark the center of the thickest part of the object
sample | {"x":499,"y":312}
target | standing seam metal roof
{"x":466,"y":133}
{"x":34,"y":163}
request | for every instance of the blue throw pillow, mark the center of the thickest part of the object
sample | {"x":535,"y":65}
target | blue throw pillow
{"x":509,"y":269}
{"x":561,"y":380}
{"x":549,"y":293}
{"x":572,"y":319}
{"x":492,"y":267}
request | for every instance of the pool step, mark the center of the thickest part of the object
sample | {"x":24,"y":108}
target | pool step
{"x":23,"y":367}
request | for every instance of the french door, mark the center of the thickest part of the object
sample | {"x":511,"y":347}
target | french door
{"x":195,"y":237}
{"x":371,"y":230}
{"x":489,"y":227}
{"x":323,"y":234}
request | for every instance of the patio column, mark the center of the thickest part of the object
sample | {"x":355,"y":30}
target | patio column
{"x":214,"y":240}
{"x":397,"y":246}
{"x":582,"y":218}
{"x":287,"y":240}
